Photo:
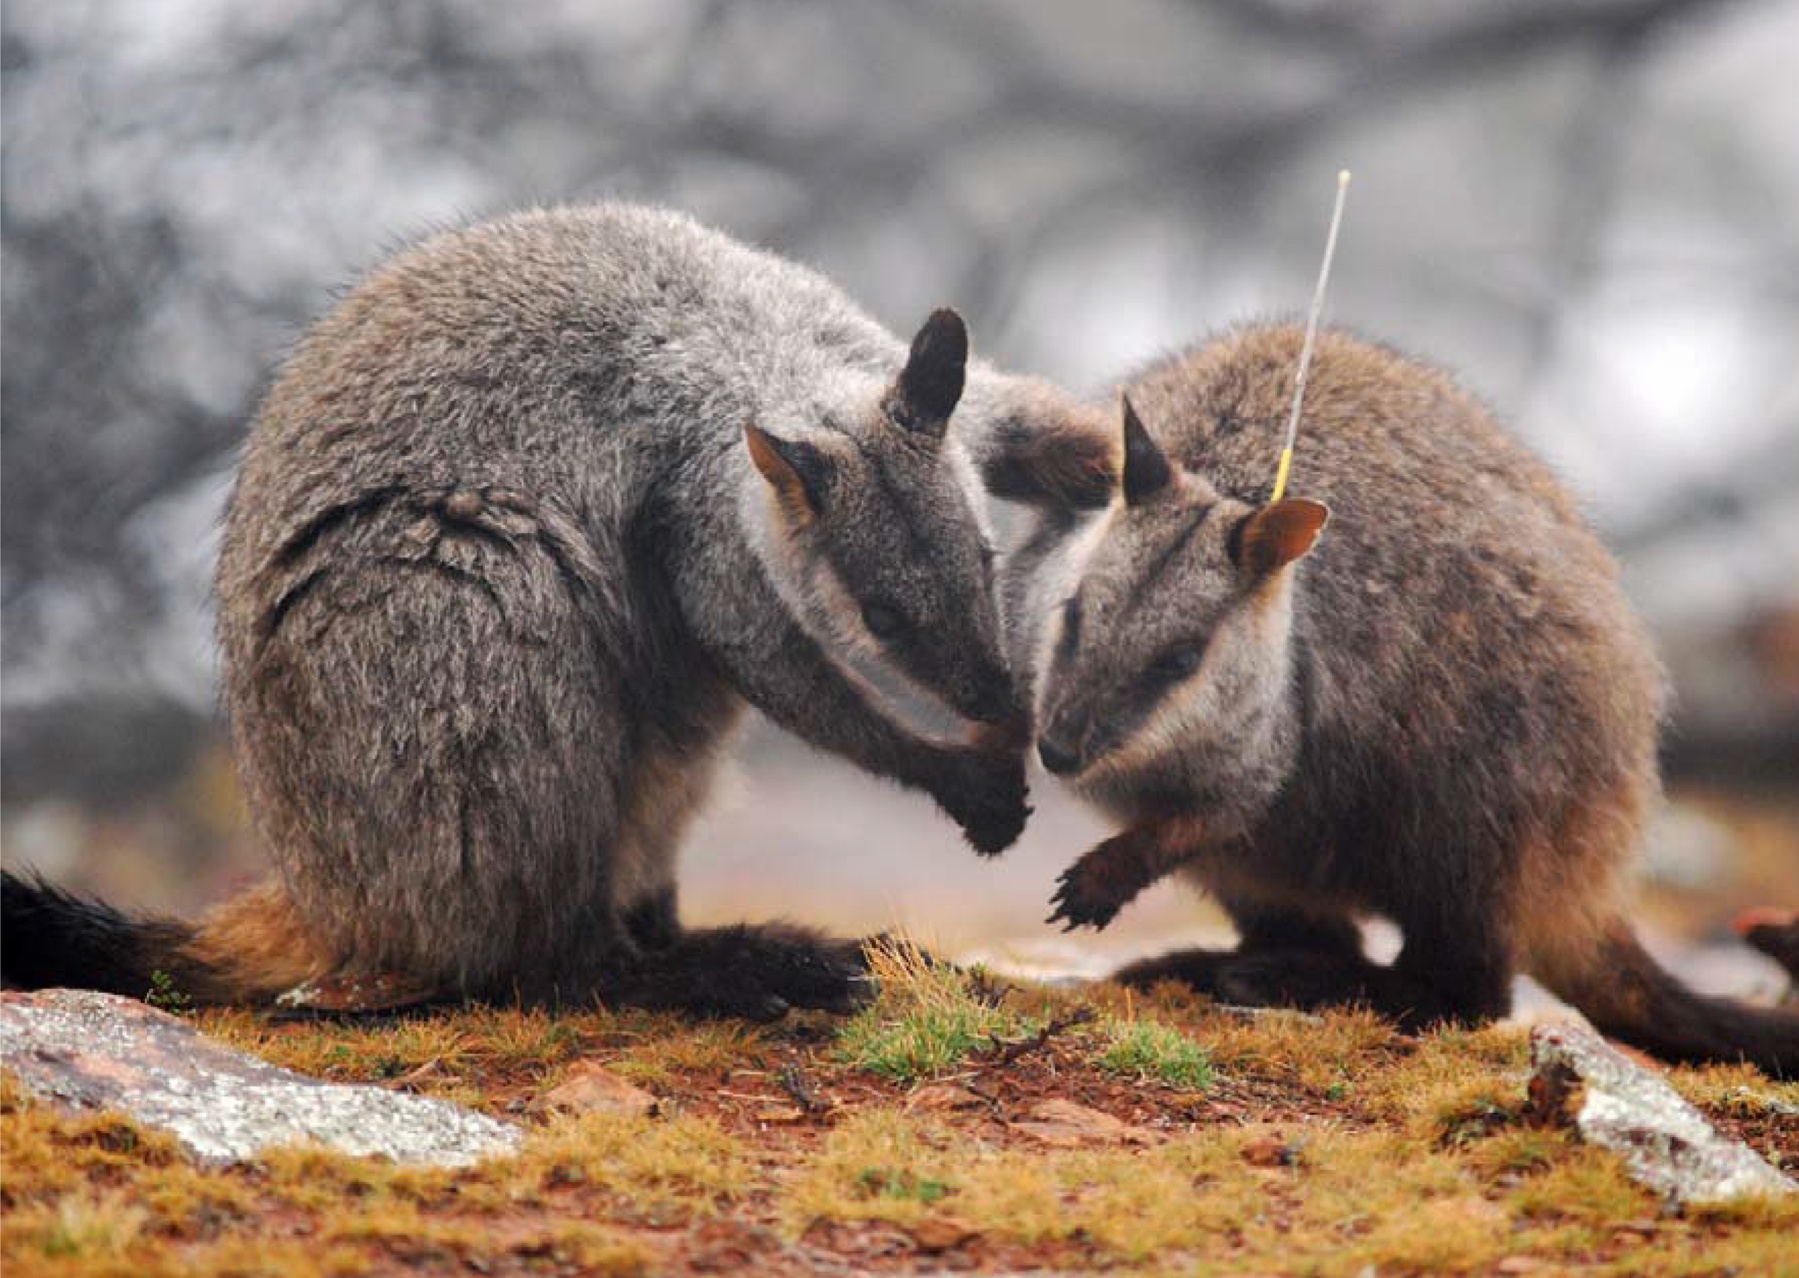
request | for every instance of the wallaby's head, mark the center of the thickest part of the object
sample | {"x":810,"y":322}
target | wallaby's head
{"x":873,"y":535}
{"x":1176,"y":631}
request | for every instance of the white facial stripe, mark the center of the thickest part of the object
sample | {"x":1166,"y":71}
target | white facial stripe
{"x":854,"y":642}
{"x":968,"y":479}
{"x":1062,"y":576}
{"x":765,"y":522}
{"x":1081,"y":547}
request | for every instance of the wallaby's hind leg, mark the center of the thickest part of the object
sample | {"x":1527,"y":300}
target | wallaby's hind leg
{"x":1290,"y":957}
{"x":431,"y":747}
{"x":1285,"y":957}
{"x":756,"y":971}
{"x":1455,"y":967}
{"x":1444,"y":974}
{"x":749,"y":970}
{"x":1264,"y":926}
{"x":654,"y":921}
{"x":1196,"y":968}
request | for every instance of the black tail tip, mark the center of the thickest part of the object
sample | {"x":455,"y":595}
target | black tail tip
{"x":51,"y":937}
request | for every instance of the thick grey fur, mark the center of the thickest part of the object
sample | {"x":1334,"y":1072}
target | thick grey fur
{"x":499,"y":577}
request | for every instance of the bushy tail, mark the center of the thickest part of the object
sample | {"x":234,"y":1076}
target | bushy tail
{"x":1627,"y":995}
{"x":248,"y":951}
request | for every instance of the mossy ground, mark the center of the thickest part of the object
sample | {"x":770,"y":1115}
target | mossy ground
{"x":1270,"y":1144}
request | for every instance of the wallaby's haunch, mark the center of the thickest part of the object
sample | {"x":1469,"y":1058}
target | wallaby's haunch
{"x":1442,"y":711}
{"x":521,"y":525}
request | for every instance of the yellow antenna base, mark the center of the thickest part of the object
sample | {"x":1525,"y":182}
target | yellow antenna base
{"x":1280,"y":476}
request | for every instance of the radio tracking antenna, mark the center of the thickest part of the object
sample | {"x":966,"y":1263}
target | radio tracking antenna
{"x":1305,"y":352}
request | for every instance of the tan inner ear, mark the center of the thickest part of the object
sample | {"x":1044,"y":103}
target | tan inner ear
{"x":1279,"y":533}
{"x":782,"y":477}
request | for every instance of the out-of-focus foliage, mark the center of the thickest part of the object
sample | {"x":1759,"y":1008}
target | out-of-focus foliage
{"x":1589,"y":206}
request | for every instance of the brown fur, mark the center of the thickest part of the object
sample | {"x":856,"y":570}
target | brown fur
{"x":252,"y":947}
{"x":1445,"y":713}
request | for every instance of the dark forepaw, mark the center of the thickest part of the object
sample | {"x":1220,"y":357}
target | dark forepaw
{"x":984,"y":792}
{"x":1084,"y":898}
{"x":991,"y":833}
{"x":993,"y":816}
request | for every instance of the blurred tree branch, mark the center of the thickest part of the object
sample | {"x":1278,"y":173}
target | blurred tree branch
{"x":149,"y":274}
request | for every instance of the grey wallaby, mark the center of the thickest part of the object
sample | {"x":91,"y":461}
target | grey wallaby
{"x":1442,"y":711}
{"x":521,"y":526}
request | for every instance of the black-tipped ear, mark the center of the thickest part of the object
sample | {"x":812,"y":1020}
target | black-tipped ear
{"x":1146,"y":469}
{"x":930,"y":385}
{"x":1277,"y":534}
{"x":799,"y":473}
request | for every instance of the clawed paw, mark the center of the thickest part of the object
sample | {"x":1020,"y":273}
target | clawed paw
{"x":1078,"y":904}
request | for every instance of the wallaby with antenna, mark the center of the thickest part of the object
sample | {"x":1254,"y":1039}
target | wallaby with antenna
{"x":1441,"y":711}
{"x":522,"y":526}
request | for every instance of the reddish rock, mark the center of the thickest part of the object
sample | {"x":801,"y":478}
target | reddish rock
{"x":1063,"y":1122}
{"x":591,"y":1088}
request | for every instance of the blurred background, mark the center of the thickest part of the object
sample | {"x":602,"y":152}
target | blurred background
{"x":1590,"y":208}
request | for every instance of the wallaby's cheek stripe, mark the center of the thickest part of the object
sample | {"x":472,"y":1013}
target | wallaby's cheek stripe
{"x":850,"y":642}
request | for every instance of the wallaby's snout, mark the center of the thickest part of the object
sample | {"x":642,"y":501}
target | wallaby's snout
{"x":1057,"y":757}
{"x":989,"y":698}
{"x":1070,"y":742}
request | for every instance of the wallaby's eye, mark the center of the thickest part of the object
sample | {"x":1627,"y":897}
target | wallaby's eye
{"x":1173,"y":666}
{"x":883,"y":622}
{"x":988,"y":555}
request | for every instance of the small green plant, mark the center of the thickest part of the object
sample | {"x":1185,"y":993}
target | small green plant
{"x":927,"y":1018}
{"x":885,"y":1182}
{"x":1150,"y":1049}
{"x":164,"y":995}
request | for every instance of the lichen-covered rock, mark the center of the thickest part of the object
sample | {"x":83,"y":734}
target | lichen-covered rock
{"x":1616,"y":1103}
{"x":98,"y":1051}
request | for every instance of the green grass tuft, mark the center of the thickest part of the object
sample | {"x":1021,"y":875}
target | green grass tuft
{"x":1150,"y":1049}
{"x":927,"y":1018}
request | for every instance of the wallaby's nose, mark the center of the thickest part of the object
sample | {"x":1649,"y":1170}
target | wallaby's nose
{"x":1056,"y":758}
{"x":991,"y":706}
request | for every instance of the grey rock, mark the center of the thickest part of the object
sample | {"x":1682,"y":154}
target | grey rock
{"x":85,"y":1050}
{"x":1616,"y":1103}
